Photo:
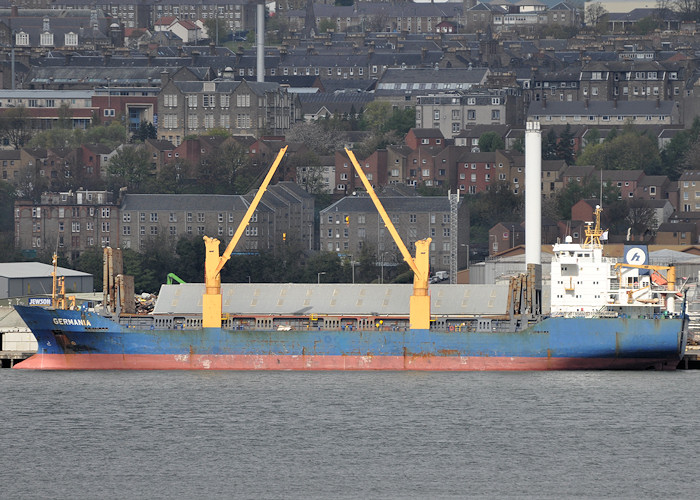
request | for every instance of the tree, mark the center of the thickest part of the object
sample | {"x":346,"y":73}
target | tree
{"x":640,"y":216}
{"x":216,"y":29}
{"x":217,"y":132}
{"x":327,"y":263}
{"x":564,"y":146}
{"x":401,"y":121}
{"x":377,"y":23}
{"x":366,"y":269}
{"x":190,"y":251}
{"x":277,"y":28}
{"x":145,"y":131}
{"x":490,"y":141}
{"x":111,"y":135}
{"x":376,"y":115}
{"x":597,"y":17}
{"x":688,"y":9}
{"x":627,"y":150}
{"x":318,"y":138}
{"x":589,"y":188}
{"x":691,"y":160}
{"x":375,"y":142}
{"x":519,"y":144}
{"x":645,"y":26}
{"x":311,"y":177}
{"x":129,"y":167}
{"x":549,"y":145}
{"x":152,"y":265}
{"x":558,"y":31}
{"x":91,"y":261}
{"x":7,"y":204}
{"x":65,"y":117}
{"x":326,"y":25}
{"x":57,"y":138}
{"x":592,"y":136}
{"x":31,"y":183}
{"x":15,"y":126}
{"x":572,"y":193}
{"x":7,"y":226}
{"x":174,"y":177}
{"x":226,"y":170}
{"x":489,"y":207}
{"x":673,"y":156}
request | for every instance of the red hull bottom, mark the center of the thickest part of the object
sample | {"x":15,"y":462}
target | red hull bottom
{"x":340,"y":363}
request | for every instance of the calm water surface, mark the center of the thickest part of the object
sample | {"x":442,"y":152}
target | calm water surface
{"x":349,"y":435}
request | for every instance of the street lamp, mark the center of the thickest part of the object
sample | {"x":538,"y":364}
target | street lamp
{"x":382,"y":264}
{"x":352,"y":263}
{"x":319,"y":276}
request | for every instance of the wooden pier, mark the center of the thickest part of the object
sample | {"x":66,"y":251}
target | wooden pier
{"x":691,"y":360}
{"x":8,"y":359}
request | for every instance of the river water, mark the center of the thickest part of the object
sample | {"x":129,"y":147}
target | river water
{"x":349,"y":435}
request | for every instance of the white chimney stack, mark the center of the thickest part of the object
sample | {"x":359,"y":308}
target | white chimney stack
{"x":260,"y":40}
{"x":533,"y":193}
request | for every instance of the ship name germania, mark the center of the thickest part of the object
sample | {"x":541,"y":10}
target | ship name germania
{"x":70,"y":321}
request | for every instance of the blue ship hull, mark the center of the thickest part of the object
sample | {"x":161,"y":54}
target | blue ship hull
{"x":85,"y":340}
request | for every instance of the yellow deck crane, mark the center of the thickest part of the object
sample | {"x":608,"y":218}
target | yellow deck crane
{"x":670,"y":279}
{"x":420,"y":300}
{"x":213,"y":263}
{"x":670,"y":272}
{"x":58,"y":293}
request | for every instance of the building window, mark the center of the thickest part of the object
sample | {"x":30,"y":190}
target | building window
{"x":243,"y":100}
{"x":208,"y":100}
{"x":242,"y":121}
{"x":22,"y":38}
{"x":71,"y":39}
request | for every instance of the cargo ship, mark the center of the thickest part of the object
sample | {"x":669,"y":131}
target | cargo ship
{"x":604,"y":315}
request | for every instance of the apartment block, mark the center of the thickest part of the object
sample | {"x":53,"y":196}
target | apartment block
{"x":352,"y":224}
{"x":67,"y":222}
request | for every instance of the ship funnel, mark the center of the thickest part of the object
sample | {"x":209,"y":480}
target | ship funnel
{"x":533,"y":193}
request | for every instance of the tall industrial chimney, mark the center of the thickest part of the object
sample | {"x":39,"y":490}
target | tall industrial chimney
{"x":260,"y":40}
{"x":533,"y":193}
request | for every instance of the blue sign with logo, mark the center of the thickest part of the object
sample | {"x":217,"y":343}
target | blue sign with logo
{"x":637,"y":255}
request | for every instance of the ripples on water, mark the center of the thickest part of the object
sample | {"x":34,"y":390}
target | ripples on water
{"x":348,"y":435}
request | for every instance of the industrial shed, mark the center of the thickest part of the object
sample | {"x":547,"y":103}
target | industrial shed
{"x":21,"y":279}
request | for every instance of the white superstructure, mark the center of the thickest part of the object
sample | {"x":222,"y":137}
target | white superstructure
{"x":584,"y":282}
